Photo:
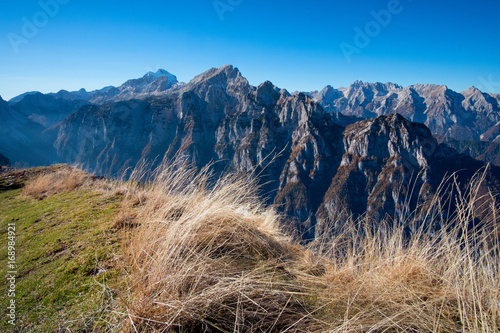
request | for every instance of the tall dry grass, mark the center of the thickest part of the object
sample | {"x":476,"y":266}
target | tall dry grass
{"x":208,"y":256}
{"x":383,"y":278}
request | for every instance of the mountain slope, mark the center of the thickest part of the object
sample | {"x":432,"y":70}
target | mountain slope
{"x":485,"y":151}
{"x":66,"y":250}
{"x":4,"y":161}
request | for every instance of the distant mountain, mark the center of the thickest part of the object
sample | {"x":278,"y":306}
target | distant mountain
{"x":81,"y":94}
{"x":21,"y":138}
{"x":151,"y":84}
{"x":469,"y":115}
{"x":46,"y":110}
{"x":485,"y":151}
{"x":4,"y":161}
{"x":27,"y":116}
{"x":20,"y":97}
{"x":319,"y":167}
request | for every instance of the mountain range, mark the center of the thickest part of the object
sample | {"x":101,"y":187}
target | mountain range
{"x":469,"y":115}
{"x":356,"y":150}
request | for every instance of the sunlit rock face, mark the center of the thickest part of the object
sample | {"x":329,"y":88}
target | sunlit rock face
{"x":468,"y":115}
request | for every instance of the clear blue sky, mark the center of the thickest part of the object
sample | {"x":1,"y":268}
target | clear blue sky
{"x":294,"y":44}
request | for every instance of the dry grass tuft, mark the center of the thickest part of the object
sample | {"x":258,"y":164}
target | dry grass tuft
{"x":209,"y":259}
{"x":207,"y":256}
{"x":57,"y":179}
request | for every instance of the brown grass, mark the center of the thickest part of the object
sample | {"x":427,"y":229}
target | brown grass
{"x":57,"y":179}
{"x":447,"y":280}
{"x":209,"y":259}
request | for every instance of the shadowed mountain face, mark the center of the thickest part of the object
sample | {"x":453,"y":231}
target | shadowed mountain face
{"x":4,"y":161}
{"x":21,"y":138}
{"x":470,"y":115}
{"x":46,"y":110}
{"x":485,"y":151}
{"x":310,"y":166}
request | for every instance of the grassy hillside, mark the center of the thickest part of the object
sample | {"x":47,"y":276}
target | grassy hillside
{"x":66,"y":249}
{"x":186,"y":253}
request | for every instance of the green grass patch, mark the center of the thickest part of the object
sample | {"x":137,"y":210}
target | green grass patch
{"x":67,"y":256}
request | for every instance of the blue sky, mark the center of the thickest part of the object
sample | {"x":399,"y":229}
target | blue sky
{"x":294,"y":44}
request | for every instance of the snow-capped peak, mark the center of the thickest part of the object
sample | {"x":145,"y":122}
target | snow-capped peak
{"x":159,"y":73}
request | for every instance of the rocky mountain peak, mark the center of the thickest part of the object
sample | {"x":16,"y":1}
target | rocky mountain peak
{"x":227,"y":79}
{"x":148,"y":78}
{"x":471,"y":91}
{"x":462,"y":116}
{"x":426,"y":89}
{"x":328,"y":94}
{"x":161,"y":73}
{"x":302,"y":97}
{"x":151,"y":84}
{"x":356,"y":84}
{"x":267,"y":93}
{"x":328,"y":89}
{"x":388,"y":136}
{"x":218,"y":76}
{"x":393,"y":86}
{"x":479,"y":102}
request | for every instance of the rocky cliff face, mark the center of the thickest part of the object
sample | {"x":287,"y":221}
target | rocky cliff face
{"x":469,"y":115}
{"x":311,"y":167}
{"x":316,"y":164}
